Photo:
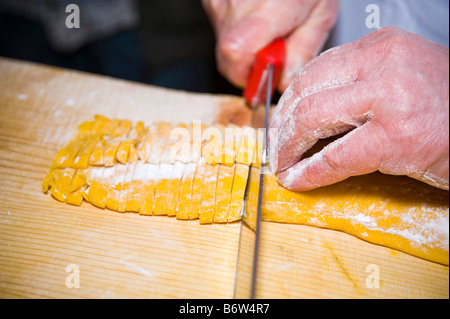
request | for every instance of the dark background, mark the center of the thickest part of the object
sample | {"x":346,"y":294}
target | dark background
{"x":173,"y":46}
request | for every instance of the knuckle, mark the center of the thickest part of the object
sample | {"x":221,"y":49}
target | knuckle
{"x":331,"y":161}
{"x":304,"y":82}
{"x":389,"y":30}
{"x":230,"y":48}
{"x":392,"y":42}
{"x":295,"y":85}
{"x":398,"y":40}
{"x":307,"y":114}
{"x":376,"y":150}
{"x":305,"y":104}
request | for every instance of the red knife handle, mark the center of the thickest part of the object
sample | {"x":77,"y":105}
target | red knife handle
{"x":274,"y":53}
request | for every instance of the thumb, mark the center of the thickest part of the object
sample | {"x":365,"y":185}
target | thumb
{"x":357,"y":153}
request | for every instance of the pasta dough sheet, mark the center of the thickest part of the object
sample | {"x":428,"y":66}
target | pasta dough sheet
{"x":128,"y":167}
{"x":393,"y":211}
{"x":186,"y":171}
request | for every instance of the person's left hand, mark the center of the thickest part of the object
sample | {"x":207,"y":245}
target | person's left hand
{"x":392,"y":88}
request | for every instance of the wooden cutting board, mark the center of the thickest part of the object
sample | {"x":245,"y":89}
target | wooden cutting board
{"x":44,"y":243}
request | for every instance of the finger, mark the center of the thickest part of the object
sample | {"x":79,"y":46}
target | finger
{"x":247,"y":34}
{"x":343,"y":64}
{"x":307,"y":40}
{"x":238,"y":46}
{"x":357,"y":153}
{"x":333,"y":69}
{"x":321,"y":115}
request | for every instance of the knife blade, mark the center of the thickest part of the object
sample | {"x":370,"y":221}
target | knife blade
{"x":262,"y":81}
{"x":249,"y":233}
{"x":264,"y":162}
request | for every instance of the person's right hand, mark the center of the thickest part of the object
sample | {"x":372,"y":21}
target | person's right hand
{"x":243,"y":27}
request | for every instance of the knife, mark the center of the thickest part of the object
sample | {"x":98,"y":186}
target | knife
{"x":269,"y":72}
{"x":261,"y":85}
{"x":256,"y":90}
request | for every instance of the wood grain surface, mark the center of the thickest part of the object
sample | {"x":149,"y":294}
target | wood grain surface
{"x":132,"y":256}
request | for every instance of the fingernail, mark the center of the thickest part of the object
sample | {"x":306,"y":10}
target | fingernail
{"x":288,"y":177}
{"x":295,"y":177}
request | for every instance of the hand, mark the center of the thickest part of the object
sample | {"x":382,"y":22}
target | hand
{"x":243,"y":27}
{"x":391,"y":88}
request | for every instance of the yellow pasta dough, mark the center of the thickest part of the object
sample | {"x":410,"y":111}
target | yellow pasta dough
{"x":116,"y":165}
{"x":393,"y":211}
